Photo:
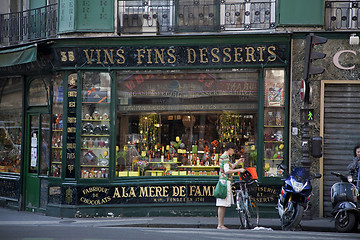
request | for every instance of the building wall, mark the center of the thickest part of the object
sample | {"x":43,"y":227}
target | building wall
{"x":335,"y":43}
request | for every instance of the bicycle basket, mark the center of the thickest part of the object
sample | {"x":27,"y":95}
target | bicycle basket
{"x":253,"y":172}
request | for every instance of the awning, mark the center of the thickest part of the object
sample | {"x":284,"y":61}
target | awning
{"x":19,"y":55}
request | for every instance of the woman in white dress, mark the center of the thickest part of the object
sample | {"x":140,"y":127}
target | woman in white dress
{"x":227,"y":169}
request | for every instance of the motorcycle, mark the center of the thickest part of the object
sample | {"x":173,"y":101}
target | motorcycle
{"x":346,"y":211}
{"x":294,"y":197}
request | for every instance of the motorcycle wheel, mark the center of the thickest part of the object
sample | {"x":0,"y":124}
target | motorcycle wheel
{"x":292,"y":216}
{"x":345,"y":221}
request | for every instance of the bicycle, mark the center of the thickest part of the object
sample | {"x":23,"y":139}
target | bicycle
{"x":246,"y":205}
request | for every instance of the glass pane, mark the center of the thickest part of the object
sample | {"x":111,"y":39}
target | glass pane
{"x":274,"y":115}
{"x":57,"y":127}
{"x":95,"y":134}
{"x":177,"y":123}
{"x":10,"y":124}
{"x":34,"y":141}
{"x":45,"y":148}
{"x":38,"y":93}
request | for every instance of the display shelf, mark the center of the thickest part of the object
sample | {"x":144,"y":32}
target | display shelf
{"x":273,"y":141}
{"x":95,"y":132}
{"x":94,"y":166}
{"x":94,"y":135}
{"x":273,"y":126}
{"x":95,"y":120}
{"x":56,"y":151}
{"x":199,"y":167}
{"x":97,"y":103}
{"x":95,"y":148}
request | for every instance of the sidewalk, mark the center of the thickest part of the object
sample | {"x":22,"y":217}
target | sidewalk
{"x":13,"y":217}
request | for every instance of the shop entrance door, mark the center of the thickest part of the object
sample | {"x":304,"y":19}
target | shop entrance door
{"x":37,"y":155}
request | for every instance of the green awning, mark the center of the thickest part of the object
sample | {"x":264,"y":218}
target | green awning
{"x":19,"y":55}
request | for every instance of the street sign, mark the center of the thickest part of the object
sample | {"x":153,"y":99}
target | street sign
{"x":307,"y":115}
{"x":302,"y":90}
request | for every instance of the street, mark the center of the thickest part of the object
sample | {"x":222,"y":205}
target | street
{"x":58,"y":232}
{"x":20,"y":225}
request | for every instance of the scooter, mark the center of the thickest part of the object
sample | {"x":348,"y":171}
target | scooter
{"x":294,"y":197}
{"x":346,"y":211}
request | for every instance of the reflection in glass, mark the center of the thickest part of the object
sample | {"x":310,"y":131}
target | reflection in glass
{"x":44,"y":147}
{"x":38,"y":93}
{"x":57,"y":127}
{"x":10,"y":124}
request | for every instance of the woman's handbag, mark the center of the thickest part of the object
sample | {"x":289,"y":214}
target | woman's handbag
{"x":221,"y":189}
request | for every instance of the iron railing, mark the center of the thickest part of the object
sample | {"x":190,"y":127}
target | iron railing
{"x":150,"y":17}
{"x":29,"y":25}
{"x":342,"y":15}
{"x":176,"y":16}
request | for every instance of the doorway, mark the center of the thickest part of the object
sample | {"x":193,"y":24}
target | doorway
{"x":37,"y":160}
{"x":37,"y":145}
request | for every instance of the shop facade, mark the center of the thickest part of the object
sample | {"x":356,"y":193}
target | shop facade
{"x":135,"y":126}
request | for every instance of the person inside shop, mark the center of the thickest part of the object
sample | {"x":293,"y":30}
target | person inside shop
{"x":226,"y":170}
{"x":354,"y":166}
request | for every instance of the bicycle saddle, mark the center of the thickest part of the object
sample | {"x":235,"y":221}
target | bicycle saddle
{"x":245,"y":176}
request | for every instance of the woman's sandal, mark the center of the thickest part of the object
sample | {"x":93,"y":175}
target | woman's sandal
{"x":222,"y":227}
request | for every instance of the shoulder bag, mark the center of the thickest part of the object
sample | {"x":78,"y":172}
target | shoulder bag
{"x":221,"y":189}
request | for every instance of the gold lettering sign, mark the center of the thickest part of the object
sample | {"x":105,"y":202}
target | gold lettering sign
{"x":96,"y":195}
{"x":177,"y":55}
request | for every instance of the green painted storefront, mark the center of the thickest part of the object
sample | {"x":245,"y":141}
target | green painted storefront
{"x":86,"y":103}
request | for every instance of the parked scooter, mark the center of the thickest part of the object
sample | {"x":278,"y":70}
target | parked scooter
{"x":294,"y":197}
{"x":346,"y":211}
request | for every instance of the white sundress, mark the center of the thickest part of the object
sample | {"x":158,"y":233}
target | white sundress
{"x":229,"y":200}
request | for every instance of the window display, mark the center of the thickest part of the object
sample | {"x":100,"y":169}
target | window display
{"x":95,"y":132}
{"x":57,"y":127}
{"x":177,"y":123}
{"x":10,"y":125}
{"x":274,"y":121}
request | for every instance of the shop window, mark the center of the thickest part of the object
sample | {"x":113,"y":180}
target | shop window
{"x":176,"y":123}
{"x":45,"y":146}
{"x":57,"y":127}
{"x":274,"y":121}
{"x":95,"y":132}
{"x":38,"y":93}
{"x":10,"y":124}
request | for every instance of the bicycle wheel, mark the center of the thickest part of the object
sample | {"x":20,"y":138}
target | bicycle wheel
{"x":240,"y":208}
{"x":253,"y":217}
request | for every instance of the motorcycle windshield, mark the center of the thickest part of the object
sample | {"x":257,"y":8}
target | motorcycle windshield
{"x":300,"y":175}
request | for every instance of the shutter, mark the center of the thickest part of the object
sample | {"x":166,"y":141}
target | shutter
{"x":341,"y":132}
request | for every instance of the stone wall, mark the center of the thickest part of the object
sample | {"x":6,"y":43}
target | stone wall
{"x":331,"y":73}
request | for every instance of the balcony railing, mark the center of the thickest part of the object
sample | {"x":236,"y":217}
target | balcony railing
{"x":29,"y":25}
{"x":342,"y":15}
{"x":175,"y":16}
{"x":150,"y":17}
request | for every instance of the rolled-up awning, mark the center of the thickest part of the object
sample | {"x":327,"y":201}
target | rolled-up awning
{"x":18,"y":55}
